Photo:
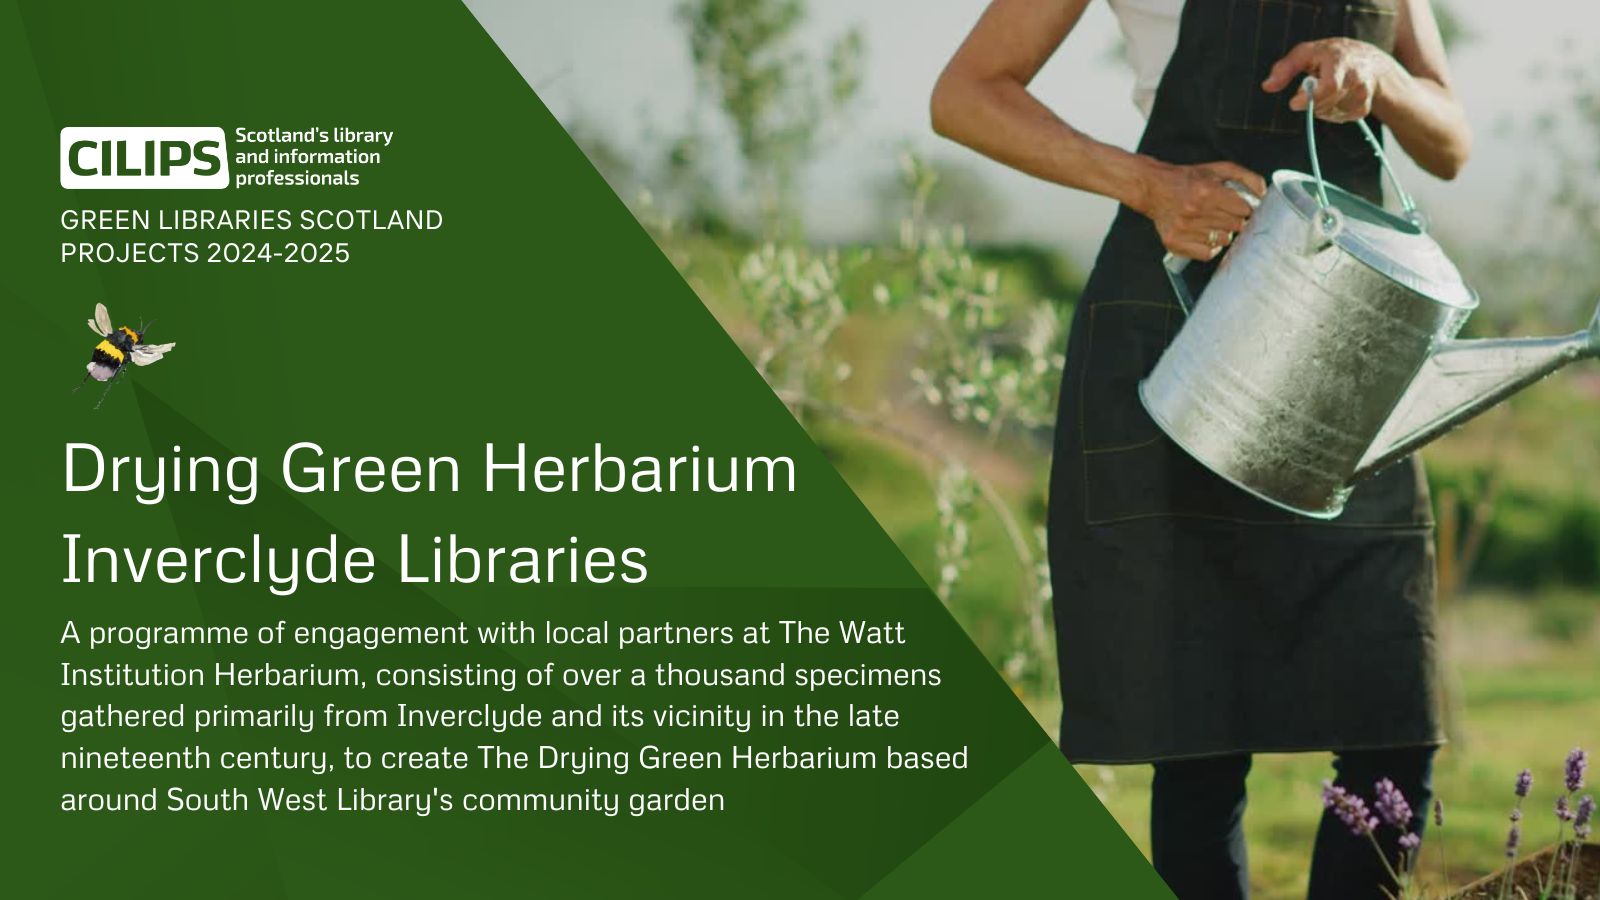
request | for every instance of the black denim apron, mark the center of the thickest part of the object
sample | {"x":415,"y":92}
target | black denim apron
{"x":1193,"y":619}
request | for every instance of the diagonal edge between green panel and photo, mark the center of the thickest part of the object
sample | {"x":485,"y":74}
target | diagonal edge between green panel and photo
{"x":1039,"y":829}
{"x":96,"y":64}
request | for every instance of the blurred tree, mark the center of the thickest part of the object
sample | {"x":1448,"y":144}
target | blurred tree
{"x":775,"y":97}
{"x":691,"y":194}
{"x":963,"y":197}
{"x":1543,"y":272}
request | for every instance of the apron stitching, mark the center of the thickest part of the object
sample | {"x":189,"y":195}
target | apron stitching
{"x":1283,"y":48}
{"x":1437,"y":741}
{"x":1255,"y":54}
{"x":1417,"y":527}
{"x":1166,"y":331}
{"x":1083,"y":399}
{"x":1126,"y":447}
{"x":1163,"y":306}
{"x":1227,"y":47}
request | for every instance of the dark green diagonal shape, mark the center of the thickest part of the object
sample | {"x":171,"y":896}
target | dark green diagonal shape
{"x":1004,"y":840}
{"x":540,"y":313}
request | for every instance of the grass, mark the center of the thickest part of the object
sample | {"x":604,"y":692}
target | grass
{"x":1526,"y":700}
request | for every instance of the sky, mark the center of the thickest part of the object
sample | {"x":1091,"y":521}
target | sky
{"x":621,"y":68}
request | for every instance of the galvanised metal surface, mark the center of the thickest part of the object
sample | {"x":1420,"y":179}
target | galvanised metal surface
{"x":1464,"y":378}
{"x":1287,"y":375}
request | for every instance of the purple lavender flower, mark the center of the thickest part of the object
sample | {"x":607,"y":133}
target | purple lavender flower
{"x":1410,"y":841}
{"x":1438,"y":813}
{"x":1513,"y":840}
{"x":1516,"y":814}
{"x":1350,"y":809}
{"x":1524,"y":782}
{"x":1580,"y":825}
{"x":1564,"y":809}
{"x":1577,"y":765}
{"x":1391,"y":804}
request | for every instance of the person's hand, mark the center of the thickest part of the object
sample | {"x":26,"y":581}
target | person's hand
{"x":1194,"y":211}
{"x":1348,"y":74}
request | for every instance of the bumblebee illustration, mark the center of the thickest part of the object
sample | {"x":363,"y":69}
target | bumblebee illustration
{"x":116,"y":347}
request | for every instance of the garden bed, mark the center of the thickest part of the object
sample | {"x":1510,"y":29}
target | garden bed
{"x":1526,"y":875}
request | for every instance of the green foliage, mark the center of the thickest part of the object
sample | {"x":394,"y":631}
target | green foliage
{"x":954,"y":496}
{"x":1543,"y":268}
{"x":963,"y":197}
{"x":982,"y":362}
{"x":1535,"y":538}
{"x":793,"y":293}
{"x":774,"y":97}
{"x":685,"y":179}
{"x":1047,"y":272}
{"x":1565,"y":616}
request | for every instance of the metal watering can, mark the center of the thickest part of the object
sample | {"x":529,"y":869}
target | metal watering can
{"x":1325,"y":346}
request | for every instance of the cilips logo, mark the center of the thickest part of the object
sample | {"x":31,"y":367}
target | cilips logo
{"x":143,"y":158}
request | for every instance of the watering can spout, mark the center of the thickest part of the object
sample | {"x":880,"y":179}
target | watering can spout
{"x":1462,"y":379}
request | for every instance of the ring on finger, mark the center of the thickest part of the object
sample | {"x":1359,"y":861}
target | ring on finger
{"x":1213,"y":239}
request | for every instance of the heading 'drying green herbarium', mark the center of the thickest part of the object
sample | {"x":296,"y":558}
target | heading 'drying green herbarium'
{"x":306,"y":468}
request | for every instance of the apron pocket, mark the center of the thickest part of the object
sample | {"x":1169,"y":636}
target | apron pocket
{"x":1160,"y":479}
{"x":1126,"y":338}
{"x":1373,"y":21}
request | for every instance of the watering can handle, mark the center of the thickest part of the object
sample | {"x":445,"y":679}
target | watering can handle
{"x":1309,"y":85}
{"x":1175,"y":264}
{"x":1330,"y":220}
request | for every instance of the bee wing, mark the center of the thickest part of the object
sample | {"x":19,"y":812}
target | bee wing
{"x":145,"y":354}
{"x":95,"y":327}
{"x":102,"y":320}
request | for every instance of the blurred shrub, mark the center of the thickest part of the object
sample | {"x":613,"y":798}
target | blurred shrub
{"x":1049,"y":272}
{"x":1566,"y":616}
{"x":1536,"y":537}
{"x":775,"y":95}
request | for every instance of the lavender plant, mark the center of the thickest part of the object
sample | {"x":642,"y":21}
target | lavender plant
{"x":1389,"y":808}
{"x":1559,"y":882}
{"x":1523,"y":785}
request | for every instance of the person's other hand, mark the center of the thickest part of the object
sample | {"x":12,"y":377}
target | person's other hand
{"x":1348,"y":74}
{"x":1194,"y":210}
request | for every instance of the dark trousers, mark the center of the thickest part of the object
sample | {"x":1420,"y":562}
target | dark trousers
{"x":1197,"y":825}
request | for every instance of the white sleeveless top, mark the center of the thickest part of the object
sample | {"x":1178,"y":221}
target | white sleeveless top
{"x":1150,"y":28}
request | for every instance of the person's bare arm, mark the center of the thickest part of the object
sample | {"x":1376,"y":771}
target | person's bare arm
{"x":1410,"y":91}
{"x":982,"y":100}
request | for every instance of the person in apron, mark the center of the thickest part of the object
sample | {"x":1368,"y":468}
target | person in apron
{"x":1196,"y":624}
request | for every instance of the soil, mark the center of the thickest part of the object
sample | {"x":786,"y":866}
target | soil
{"x":1526,"y":875}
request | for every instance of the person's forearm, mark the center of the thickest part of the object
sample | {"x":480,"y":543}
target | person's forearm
{"x":1196,"y":209}
{"x":1426,"y":119}
{"x":1000,"y":119}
